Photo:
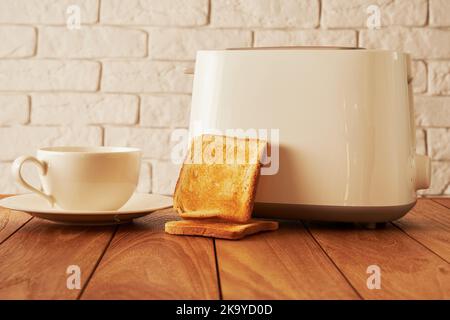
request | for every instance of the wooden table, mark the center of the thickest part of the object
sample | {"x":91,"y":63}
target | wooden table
{"x":299,"y":261}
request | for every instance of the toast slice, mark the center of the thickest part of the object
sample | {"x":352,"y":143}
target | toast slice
{"x":219,"y":178}
{"x":218,"y":228}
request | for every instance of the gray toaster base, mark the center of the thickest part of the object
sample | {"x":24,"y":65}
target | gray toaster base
{"x":331,"y":213}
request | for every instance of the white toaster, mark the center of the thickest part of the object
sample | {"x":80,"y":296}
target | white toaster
{"x":340,"y":125}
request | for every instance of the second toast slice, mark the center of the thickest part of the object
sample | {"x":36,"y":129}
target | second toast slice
{"x":218,"y":228}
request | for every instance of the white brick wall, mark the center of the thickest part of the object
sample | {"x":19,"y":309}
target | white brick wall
{"x":84,"y":108}
{"x":119,"y":80}
{"x":266,"y":38}
{"x":14,"y":109}
{"x":265,"y":13}
{"x":23,"y":140}
{"x":165,"y":110}
{"x":155,"y":12}
{"x":432,"y":111}
{"x":17,"y":42}
{"x":91,"y":42}
{"x":154,"y":143}
{"x":439,"y":77}
{"x":182,"y":44}
{"x":422,"y":43}
{"x":419,"y":72}
{"x":45,"y":11}
{"x":439,"y":10}
{"x":145,"y":76}
{"x":48,"y":75}
{"x":353,"y":13}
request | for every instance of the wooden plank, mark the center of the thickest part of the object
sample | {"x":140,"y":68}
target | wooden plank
{"x":143,"y":262}
{"x":34,"y":261}
{"x":10,"y":221}
{"x":443,"y":201}
{"x":283,"y":264}
{"x":408,"y":269}
{"x":429,"y":223}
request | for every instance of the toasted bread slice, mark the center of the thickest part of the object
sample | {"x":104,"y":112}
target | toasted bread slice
{"x":218,"y":228}
{"x":219,"y":178}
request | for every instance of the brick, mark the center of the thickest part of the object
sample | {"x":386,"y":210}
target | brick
{"x":432,"y":111}
{"x":17,"y":42}
{"x":154,"y":143}
{"x":146,"y":76}
{"x":439,"y":13}
{"x":419,"y":73}
{"x":145,"y":178}
{"x":65,"y":109}
{"x":440,"y":179}
{"x":20,"y":140}
{"x":268,"y":38}
{"x":439,"y":143}
{"x":155,"y":12}
{"x":354,"y":14}
{"x":439,"y":77}
{"x":165,"y":111}
{"x":14,"y":109}
{"x":265,"y":13}
{"x":421,"y":147}
{"x":91,"y":42}
{"x":420,"y":43}
{"x":46,"y":11}
{"x":7,"y":182}
{"x":182,"y":44}
{"x":18,"y":75}
{"x":165,"y":176}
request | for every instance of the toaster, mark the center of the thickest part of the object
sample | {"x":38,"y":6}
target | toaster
{"x":339,"y":123}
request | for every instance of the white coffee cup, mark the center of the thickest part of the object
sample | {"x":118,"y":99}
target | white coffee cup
{"x":84,"y":178}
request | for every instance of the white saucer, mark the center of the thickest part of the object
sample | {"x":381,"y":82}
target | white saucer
{"x":140,"y":204}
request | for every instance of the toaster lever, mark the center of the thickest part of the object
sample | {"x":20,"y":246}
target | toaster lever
{"x":423,"y":172}
{"x":189,"y":71}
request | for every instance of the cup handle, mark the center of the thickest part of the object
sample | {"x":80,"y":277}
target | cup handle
{"x":16,"y":172}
